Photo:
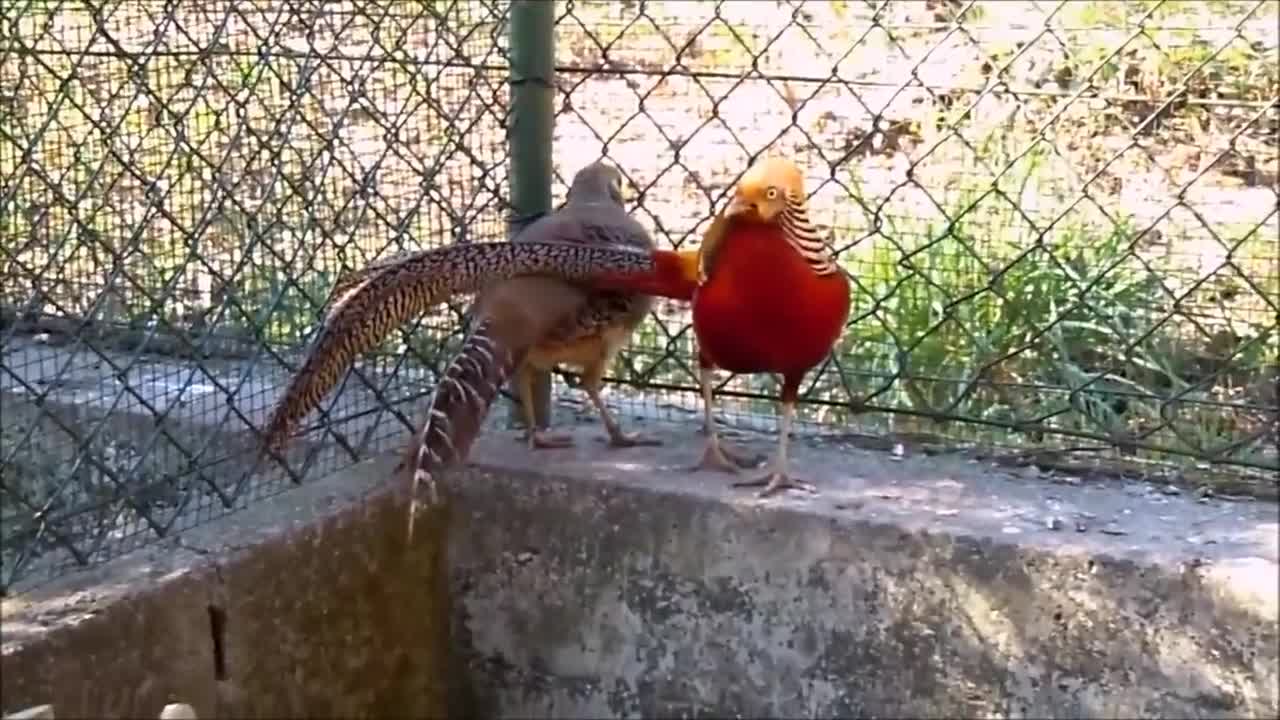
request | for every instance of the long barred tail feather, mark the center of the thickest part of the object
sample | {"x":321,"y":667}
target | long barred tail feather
{"x":368,"y":304}
{"x":458,"y":408}
{"x":675,"y":275}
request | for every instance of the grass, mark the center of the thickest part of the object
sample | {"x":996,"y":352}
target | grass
{"x":1074,"y":334}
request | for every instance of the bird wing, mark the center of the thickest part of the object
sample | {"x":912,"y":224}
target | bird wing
{"x":712,"y":243}
{"x":588,"y":224}
{"x":674,"y":273}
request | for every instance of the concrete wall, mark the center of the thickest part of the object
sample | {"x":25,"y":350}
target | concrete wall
{"x":602,"y":583}
{"x":590,"y":582}
{"x":309,"y":604}
{"x":594,"y":583}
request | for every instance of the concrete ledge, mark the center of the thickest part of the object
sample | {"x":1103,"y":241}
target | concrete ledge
{"x":309,"y":604}
{"x":614,"y":583}
{"x":593,"y":583}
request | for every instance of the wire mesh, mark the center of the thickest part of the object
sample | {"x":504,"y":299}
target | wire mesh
{"x":1060,"y":220}
{"x":181,"y":183}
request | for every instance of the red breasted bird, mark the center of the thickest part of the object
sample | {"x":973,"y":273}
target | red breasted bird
{"x":771,"y":298}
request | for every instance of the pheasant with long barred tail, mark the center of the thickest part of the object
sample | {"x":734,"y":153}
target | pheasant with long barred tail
{"x":534,"y":310}
{"x":770,"y":299}
{"x":537,"y":322}
{"x":588,"y":327}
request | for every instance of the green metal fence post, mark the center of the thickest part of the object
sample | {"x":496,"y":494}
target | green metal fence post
{"x":532,"y":120}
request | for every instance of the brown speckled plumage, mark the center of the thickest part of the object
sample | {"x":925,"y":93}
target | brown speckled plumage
{"x":535,"y":308}
{"x":460,"y":403}
{"x":368,"y":304}
{"x":531,"y":323}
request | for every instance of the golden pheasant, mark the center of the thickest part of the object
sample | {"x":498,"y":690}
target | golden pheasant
{"x":770,"y":299}
{"x":534,"y":310}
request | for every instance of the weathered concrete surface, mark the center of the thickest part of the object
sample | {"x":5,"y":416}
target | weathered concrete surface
{"x":590,"y":582}
{"x":614,"y":583}
{"x":324,"y":611}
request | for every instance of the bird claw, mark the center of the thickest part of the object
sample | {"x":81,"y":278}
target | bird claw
{"x":633,"y":439}
{"x":724,"y":459}
{"x":539,"y":440}
{"x":776,"y":482}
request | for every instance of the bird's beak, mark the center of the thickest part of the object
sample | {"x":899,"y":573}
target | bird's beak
{"x":739,"y":206}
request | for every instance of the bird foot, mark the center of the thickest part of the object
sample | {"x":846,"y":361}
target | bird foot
{"x":775,"y":482}
{"x":622,"y":439}
{"x":727,"y":459}
{"x":539,"y":440}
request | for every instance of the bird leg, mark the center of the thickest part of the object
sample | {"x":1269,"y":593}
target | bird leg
{"x":537,"y":439}
{"x":592,"y":380}
{"x":778,"y":478}
{"x":718,"y":456}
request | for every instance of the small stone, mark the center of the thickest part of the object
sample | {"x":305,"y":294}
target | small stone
{"x":899,"y":450}
{"x":178,"y":711}
{"x":1113,"y":529}
{"x":1082,"y":526}
{"x":1171,"y":490}
{"x":524,"y":558}
{"x":1053,"y":522}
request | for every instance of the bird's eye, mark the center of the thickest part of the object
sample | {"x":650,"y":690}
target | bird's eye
{"x":772,"y":193}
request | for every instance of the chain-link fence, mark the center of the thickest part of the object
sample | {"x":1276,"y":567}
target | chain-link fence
{"x":1060,"y":220}
{"x":181,"y":183}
